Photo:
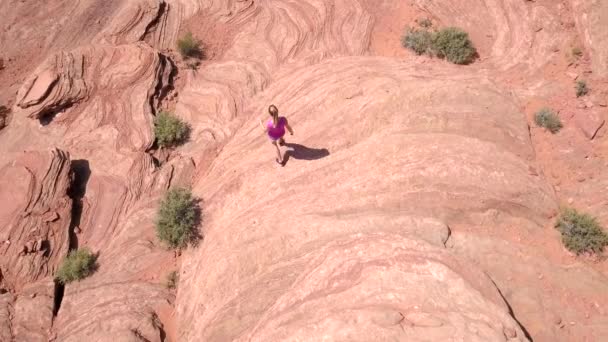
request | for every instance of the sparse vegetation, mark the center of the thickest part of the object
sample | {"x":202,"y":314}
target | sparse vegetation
{"x":577,"y":52}
{"x":450,"y":43}
{"x":193,"y":65}
{"x":172,"y":280}
{"x":169,"y":129}
{"x":581,"y":233}
{"x":189,"y":46}
{"x":3,"y":114}
{"x":548,"y":119}
{"x":454,"y":44}
{"x":77,"y":265}
{"x":418,"y":41}
{"x":581,"y":88}
{"x":177,"y":218}
{"x":425,"y":22}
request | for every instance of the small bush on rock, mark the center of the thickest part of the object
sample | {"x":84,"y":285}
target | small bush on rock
{"x":418,"y":41}
{"x":581,"y":88}
{"x":548,"y":119}
{"x":177,"y":216}
{"x":189,"y":46}
{"x":169,"y":129}
{"x":577,"y":52}
{"x":172,"y":280}
{"x":454,"y":45}
{"x":3,"y":114}
{"x":426,"y":23}
{"x":450,"y":43}
{"x":77,"y":265}
{"x":581,"y":233}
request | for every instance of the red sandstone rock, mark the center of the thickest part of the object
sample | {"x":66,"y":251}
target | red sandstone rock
{"x":590,"y":122}
{"x":31,"y":186}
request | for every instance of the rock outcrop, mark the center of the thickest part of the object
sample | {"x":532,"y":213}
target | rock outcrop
{"x":591,"y":16}
{"x":33,"y":312}
{"x":35,"y":216}
{"x":120,"y":100}
{"x":98,"y":102}
{"x":35,"y":223}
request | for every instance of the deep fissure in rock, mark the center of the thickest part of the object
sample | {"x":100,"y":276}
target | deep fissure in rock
{"x":523,"y":328}
{"x":162,"y":89}
{"x":156,"y":322}
{"x":80,"y":177}
{"x":81,"y":172}
{"x":169,"y":87}
{"x":57,"y":297}
{"x":154,"y":23}
{"x":49,"y":115}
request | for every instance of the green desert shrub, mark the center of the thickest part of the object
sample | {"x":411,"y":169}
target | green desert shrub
{"x":581,"y":233}
{"x":169,"y":129}
{"x":189,"y":46}
{"x":176,"y":220}
{"x":172,"y":280}
{"x":454,"y":45}
{"x":418,"y":41}
{"x":548,"y":119}
{"x":450,"y":43}
{"x":581,"y":88}
{"x":77,"y":265}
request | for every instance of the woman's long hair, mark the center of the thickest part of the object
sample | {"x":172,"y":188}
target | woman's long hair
{"x":274,"y":112}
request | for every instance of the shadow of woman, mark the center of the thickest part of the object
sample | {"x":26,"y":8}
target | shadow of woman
{"x":302,"y":152}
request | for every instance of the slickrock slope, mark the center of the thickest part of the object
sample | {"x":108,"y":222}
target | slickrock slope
{"x":415,"y":203}
{"x":554,"y":302}
{"x":333,"y":227}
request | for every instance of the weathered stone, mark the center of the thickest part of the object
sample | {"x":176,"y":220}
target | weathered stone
{"x":589,"y":122}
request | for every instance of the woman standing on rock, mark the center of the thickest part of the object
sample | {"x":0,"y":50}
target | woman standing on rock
{"x":275,"y":128}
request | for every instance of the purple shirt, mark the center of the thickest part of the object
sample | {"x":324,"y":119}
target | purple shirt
{"x":276,"y":132}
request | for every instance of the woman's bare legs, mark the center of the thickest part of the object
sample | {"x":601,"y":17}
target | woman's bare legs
{"x":279,"y":157}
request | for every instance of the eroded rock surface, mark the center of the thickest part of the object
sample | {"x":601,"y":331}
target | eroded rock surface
{"x":35,"y":216}
{"x":6,"y":328}
{"x":591,"y":16}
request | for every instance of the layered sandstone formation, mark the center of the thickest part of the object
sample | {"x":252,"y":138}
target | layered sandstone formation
{"x":412,"y":205}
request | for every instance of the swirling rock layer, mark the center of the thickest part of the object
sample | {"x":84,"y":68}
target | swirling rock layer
{"x":35,"y":216}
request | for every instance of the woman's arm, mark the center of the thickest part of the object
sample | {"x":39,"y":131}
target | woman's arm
{"x":263,"y":127}
{"x":288,"y":127}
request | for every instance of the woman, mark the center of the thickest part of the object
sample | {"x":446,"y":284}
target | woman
{"x":275,"y":128}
